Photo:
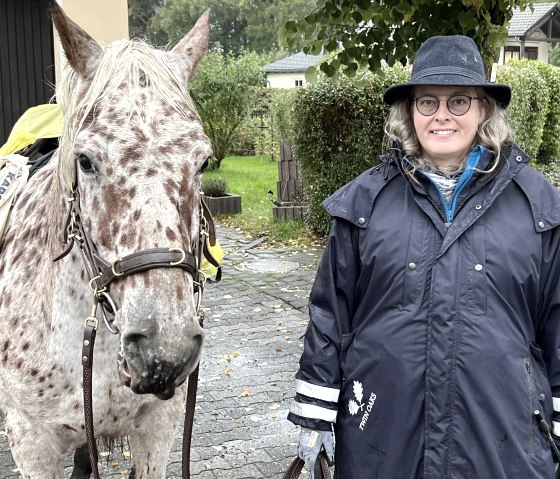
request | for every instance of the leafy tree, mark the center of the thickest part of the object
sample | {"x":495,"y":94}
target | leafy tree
{"x":371,"y":32}
{"x":224,"y":90}
{"x":140,"y":12}
{"x":265,"y":17}
{"x":236,"y":25}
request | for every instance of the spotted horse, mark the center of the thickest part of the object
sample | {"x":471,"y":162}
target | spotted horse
{"x":113,"y":220}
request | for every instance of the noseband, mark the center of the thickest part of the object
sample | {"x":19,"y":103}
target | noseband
{"x":102,"y":273}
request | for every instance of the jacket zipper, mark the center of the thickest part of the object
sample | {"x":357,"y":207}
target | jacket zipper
{"x":531,"y":385}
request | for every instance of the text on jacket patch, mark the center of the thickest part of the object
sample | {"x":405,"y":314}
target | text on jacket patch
{"x":369,"y":407}
{"x":7,"y":181}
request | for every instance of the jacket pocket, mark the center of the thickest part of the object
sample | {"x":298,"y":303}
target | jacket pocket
{"x":345,"y":343}
{"x":537,"y":354}
{"x":540,"y":397}
{"x":531,"y":387}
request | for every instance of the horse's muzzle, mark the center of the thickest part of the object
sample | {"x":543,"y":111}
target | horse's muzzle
{"x":145,"y":367}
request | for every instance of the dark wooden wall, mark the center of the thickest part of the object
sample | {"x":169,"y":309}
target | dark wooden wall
{"x":26,"y":59}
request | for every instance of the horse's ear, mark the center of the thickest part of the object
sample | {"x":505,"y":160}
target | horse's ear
{"x":82,"y":51}
{"x":194,"y":44}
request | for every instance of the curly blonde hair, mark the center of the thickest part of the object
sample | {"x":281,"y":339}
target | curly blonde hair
{"x":492,"y":132}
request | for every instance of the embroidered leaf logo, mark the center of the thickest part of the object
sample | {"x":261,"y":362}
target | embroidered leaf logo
{"x":358,"y":391}
{"x":353,"y":407}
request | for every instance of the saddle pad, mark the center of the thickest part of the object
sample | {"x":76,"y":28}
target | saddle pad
{"x":13,"y":177}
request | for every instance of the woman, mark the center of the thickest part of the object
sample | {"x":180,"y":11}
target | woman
{"x":433,"y":348}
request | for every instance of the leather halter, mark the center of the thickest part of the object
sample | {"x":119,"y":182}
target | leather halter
{"x":103,"y":273}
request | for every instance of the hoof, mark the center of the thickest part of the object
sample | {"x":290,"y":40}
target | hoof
{"x":82,"y":465}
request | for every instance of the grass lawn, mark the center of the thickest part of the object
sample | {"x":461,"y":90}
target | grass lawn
{"x":252,"y":177}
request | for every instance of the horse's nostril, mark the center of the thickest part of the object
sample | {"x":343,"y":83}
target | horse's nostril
{"x":198,"y":339}
{"x":134,"y":337}
{"x":126,"y":369}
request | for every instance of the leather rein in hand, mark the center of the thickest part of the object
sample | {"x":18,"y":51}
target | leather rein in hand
{"x":103,"y":273}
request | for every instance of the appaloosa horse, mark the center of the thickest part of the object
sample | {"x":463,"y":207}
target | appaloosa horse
{"x":138,"y":147}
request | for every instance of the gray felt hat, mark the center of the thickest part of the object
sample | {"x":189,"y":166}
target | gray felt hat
{"x":450,"y":60}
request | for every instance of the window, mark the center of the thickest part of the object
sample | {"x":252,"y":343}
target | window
{"x":512,"y":53}
{"x":298,"y":82}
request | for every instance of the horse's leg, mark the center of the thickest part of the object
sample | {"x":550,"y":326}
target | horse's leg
{"x":151,"y":444}
{"x":82,"y":464}
{"x":150,"y":453}
{"x":34,"y":450}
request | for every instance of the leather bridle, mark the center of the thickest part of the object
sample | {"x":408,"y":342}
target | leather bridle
{"x":102,"y":273}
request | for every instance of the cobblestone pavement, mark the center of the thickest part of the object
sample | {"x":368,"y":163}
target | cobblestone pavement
{"x":255,"y":318}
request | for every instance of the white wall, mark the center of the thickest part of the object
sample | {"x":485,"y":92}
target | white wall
{"x":284,"y":80}
{"x":542,"y":46}
{"x":104,"y":20}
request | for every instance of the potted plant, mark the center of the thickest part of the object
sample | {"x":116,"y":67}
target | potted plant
{"x":219,"y":202}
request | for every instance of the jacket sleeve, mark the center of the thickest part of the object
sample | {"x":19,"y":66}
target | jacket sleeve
{"x":549,"y":321}
{"x":331,"y":304}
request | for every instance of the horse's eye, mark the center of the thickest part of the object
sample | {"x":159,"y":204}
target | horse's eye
{"x":204,"y":165}
{"x":86,"y":164}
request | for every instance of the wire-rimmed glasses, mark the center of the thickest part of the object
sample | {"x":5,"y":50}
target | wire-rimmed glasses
{"x":457,"y":105}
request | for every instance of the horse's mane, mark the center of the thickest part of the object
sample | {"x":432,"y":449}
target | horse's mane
{"x":127,"y":61}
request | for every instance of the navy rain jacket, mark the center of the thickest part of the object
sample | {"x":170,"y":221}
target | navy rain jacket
{"x":431,"y":346}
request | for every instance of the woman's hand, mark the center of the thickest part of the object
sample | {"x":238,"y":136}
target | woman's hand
{"x":310,"y":444}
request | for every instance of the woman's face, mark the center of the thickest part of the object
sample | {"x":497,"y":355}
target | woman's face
{"x":446,"y":139}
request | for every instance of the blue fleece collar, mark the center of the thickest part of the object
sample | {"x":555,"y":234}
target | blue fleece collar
{"x":464,"y":179}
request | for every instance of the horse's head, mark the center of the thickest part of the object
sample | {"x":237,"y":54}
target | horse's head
{"x":140,"y":150}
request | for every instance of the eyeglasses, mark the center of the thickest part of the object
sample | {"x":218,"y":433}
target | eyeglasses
{"x":457,"y":105}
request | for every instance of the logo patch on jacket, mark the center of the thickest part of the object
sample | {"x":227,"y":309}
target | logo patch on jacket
{"x":356,"y":406}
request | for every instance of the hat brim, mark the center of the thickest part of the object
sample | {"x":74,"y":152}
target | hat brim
{"x":501,"y":93}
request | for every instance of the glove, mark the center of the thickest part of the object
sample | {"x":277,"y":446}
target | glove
{"x":310,"y":444}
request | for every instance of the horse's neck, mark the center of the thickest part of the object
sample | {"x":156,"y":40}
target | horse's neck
{"x":42,"y":205}
{"x":34,"y":238}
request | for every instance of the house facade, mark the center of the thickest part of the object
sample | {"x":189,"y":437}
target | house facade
{"x":530,"y":33}
{"x":290,"y":71}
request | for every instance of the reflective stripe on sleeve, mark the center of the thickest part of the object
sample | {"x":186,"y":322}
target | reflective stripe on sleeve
{"x":556,"y":428}
{"x":318,"y":392}
{"x":315,"y":412}
{"x":556,"y":404}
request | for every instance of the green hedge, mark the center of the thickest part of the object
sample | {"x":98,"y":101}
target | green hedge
{"x":338,"y":133}
{"x":338,"y":126}
{"x":528,"y":109}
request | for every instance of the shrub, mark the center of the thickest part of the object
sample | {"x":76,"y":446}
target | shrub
{"x":281,"y":107}
{"x":224,"y":90}
{"x":214,"y":187}
{"x":529,"y":105}
{"x":551,"y":170}
{"x":338,"y":133}
{"x":269,"y":123}
{"x":549,"y":150}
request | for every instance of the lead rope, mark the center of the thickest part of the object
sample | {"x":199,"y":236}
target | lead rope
{"x":90,"y":330}
{"x":297,"y":464}
{"x":189,"y":416}
{"x":192,"y":385}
